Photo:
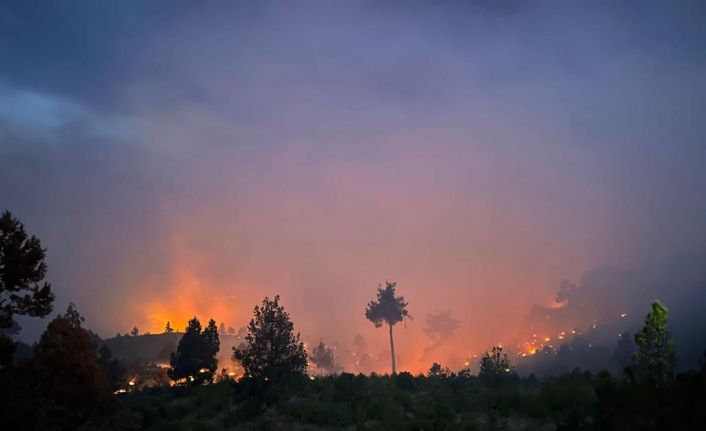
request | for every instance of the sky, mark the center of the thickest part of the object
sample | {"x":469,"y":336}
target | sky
{"x":181,"y":159}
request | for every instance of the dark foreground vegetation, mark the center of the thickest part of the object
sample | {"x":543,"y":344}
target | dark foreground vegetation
{"x":70,"y":381}
{"x":402,"y":402}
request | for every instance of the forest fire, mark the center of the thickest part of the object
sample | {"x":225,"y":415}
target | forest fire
{"x":379,"y":215}
{"x":191,"y":292}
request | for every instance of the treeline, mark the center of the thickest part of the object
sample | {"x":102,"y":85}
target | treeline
{"x":276,"y":394}
{"x":574,"y":401}
{"x":72,"y":382}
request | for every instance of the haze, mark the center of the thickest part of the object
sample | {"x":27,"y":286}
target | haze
{"x":180,"y":159}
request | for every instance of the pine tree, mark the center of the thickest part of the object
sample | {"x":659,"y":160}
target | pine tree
{"x":322,"y":357}
{"x":69,"y":373}
{"x":436,"y":370}
{"x":195,"y":356}
{"x":73,"y":316}
{"x":655,"y":356}
{"x":389,"y":309}
{"x":212,"y":347}
{"x":271,"y":349}
{"x":22,"y":270}
{"x":494,"y":365}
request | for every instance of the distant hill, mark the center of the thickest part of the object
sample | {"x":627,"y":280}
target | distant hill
{"x":143,"y":348}
{"x":156,"y":348}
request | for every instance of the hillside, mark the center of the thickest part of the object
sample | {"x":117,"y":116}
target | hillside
{"x":156,"y":348}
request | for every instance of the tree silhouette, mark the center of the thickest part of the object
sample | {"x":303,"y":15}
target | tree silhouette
{"x":195,"y":356}
{"x":168,"y":328}
{"x":271,"y":349}
{"x":69,"y":372}
{"x":440,"y":327}
{"x":322,"y":357}
{"x":655,"y":356}
{"x":494,"y":365}
{"x":389,"y":309}
{"x":222,"y":329}
{"x":135,"y":332}
{"x":22,"y":269}
{"x":436,"y":370}
{"x":213,"y":345}
{"x":73,"y":316}
{"x":113,"y":370}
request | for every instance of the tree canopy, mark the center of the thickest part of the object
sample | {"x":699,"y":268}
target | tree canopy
{"x":69,"y":372}
{"x":271,"y":349}
{"x":195,"y":356}
{"x":73,"y":316}
{"x":322,"y":357}
{"x":436,"y":370}
{"x":440,"y":325}
{"x":22,"y":269}
{"x":390,"y":309}
{"x":494,"y":364}
{"x":655,"y":356}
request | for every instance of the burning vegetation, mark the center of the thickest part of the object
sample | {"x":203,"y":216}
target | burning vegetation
{"x":75,"y":379}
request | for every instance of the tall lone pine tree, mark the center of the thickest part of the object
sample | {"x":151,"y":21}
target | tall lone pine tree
{"x":390,"y":309}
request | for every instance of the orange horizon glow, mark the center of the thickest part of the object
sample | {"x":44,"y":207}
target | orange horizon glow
{"x":190,"y":295}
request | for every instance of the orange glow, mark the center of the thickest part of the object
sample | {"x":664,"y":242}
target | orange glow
{"x":225,"y":283}
{"x":189,"y":298}
{"x":188,"y":293}
{"x":529,"y":348}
